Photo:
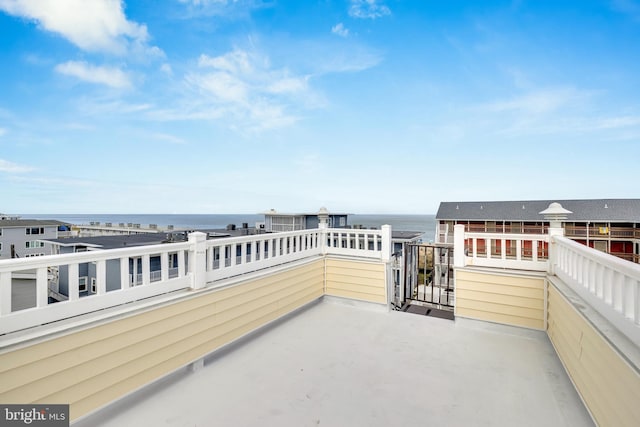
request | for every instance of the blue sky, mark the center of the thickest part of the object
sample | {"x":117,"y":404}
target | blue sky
{"x":363,"y":106}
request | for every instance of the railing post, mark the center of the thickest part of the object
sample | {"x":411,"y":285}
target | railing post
{"x":322,"y":227}
{"x":386,"y":243}
{"x":198,"y":259}
{"x":553,"y":251}
{"x":458,"y":245}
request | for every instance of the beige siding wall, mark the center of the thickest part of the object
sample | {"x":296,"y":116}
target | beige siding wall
{"x":363,"y":281}
{"x":503,"y":298}
{"x":92,"y":367}
{"x":607,"y":383}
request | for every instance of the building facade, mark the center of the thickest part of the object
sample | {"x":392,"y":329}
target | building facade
{"x":275,"y":222}
{"x":20,"y":238}
{"x":608,"y":225}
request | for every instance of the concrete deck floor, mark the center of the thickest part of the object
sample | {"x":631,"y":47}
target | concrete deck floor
{"x":339,"y":365}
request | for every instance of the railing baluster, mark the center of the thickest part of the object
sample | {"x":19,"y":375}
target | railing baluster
{"x":101,"y":276}
{"x":146,"y":269}
{"x":124,"y":273}
{"x":73,"y":284}
{"x":5,"y":292}
{"x":42,"y":287}
{"x":164,"y":266}
{"x":182,"y":264}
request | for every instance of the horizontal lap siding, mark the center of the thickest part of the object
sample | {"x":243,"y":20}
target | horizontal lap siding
{"x":508,"y":299}
{"x":356,"y":280}
{"x":91,"y":368}
{"x":609,"y":386}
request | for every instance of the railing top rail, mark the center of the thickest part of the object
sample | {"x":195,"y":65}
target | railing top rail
{"x":281,"y":234}
{"x":628,"y":268}
{"x":256,"y":237}
{"x":89,"y":256}
{"x":507,"y":236}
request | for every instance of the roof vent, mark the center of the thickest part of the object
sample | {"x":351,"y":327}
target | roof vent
{"x":605,"y":206}
{"x":522,"y":206}
{"x":457,"y":207}
{"x":481,"y":207}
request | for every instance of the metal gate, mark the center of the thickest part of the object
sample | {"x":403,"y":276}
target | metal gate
{"x":428,"y":276}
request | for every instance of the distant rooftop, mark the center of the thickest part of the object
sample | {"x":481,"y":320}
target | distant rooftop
{"x":112,"y":242}
{"x":144,"y":239}
{"x":594,"y":210}
{"x":30,"y":222}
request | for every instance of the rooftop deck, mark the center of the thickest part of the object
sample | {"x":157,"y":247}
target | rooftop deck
{"x":121,"y":351}
{"x":335,"y":364}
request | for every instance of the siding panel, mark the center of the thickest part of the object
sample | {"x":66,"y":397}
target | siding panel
{"x":356,"y":280}
{"x":512,"y":299}
{"x":607,"y":383}
{"x":92,"y":367}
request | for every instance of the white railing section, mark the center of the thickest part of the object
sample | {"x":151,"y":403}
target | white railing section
{"x":609,"y":284}
{"x":240,"y":255}
{"x":119,"y":276}
{"x":499,"y":250}
{"x":359,"y":242}
{"x":110,"y":266}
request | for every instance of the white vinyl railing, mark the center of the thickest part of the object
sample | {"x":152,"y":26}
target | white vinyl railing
{"x":112,"y":282}
{"x":609,"y":284}
{"x":121,"y":276}
{"x":240,"y":255}
{"x":499,"y":250}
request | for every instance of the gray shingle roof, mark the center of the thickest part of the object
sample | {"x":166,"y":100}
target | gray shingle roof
{"x":596,"y":210}
{"x":30,"y":222}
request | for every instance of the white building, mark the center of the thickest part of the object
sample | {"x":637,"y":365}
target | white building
{"x":21,"y":238}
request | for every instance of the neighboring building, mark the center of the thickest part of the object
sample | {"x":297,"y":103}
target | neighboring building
{"x":95,"y":228}
{"x":21,"y":238}
{"x":609,"y":225}
{"x":277,"y":222}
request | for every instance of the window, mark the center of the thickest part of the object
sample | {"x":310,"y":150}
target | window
{"x":93,"y":285}
{"x":34,"y":244}
{"x":0,"y":246}
{"x":82,"y":284}
{"x":35,"y":230}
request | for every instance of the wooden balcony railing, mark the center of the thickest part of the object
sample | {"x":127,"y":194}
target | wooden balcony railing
{"x":581,"y":231}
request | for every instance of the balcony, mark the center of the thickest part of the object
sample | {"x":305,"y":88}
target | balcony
{"x":295,"y":329}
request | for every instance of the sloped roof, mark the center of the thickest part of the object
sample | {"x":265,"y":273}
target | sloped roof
{"x":30,"y":222}
{"x":594,"y":210}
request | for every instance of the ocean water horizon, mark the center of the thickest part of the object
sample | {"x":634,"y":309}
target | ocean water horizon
{"x":401,"y":222}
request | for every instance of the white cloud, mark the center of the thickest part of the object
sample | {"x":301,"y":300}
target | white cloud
{"x":243,"y":86}
{"x":92,"y":25}
{"x":340,"y":30}
{"x":113,"y":77}
{"x":368,"y":9}
{"x":169,"y":138}
{"x":3,"y":131}
{"x":9,"y":167}
{"x":537,"y":102}
{"x":288,"y":85}
{"x":166,"y":68}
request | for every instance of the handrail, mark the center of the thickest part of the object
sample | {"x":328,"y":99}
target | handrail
{"x":195,"y":264}
{"x":609,"y":284}
{"x":498,"y":250}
